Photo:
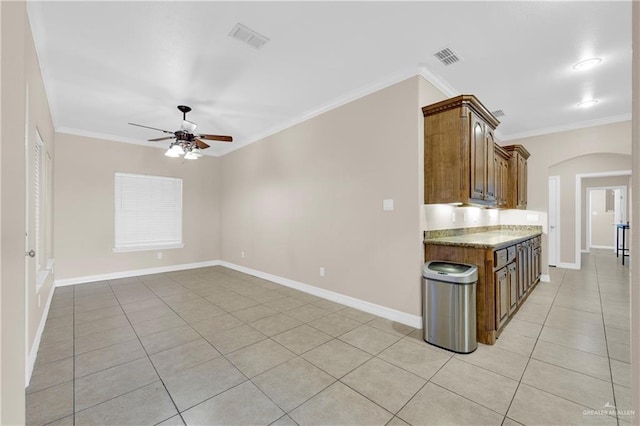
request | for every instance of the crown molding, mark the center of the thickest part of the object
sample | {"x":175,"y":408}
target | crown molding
{"x":566,"y":127}
{"x":103,"y":136}
{"x":333,"y":104}
{"x":438,"y":82}
{"x":114,"y":138}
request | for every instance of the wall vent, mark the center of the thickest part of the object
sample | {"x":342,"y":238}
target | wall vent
{"x":447,"y":56}
{"x":248,"y":36}
{"x":497,"y":113}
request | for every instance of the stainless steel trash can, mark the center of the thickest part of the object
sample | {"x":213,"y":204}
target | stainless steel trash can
{"x":449,"y":309}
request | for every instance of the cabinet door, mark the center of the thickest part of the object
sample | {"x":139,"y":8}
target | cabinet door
{"x":529,"y":264}
{"x":521,"y":270}
{"x":522,"y":182}
{"x":502,"y":296}
{"x":478,"y":158}
{"x":490,"y":181}
{"x":537,"y":263}
{"x":513,"y":286}
{"x":497,"y":176}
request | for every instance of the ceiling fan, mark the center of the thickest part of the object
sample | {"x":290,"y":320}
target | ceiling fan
{"x":187,"y":142}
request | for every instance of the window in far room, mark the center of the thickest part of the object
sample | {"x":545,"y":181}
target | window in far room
{"x":148,"y":212}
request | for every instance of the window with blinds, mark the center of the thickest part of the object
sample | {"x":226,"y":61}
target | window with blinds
{"x":148,"y":212}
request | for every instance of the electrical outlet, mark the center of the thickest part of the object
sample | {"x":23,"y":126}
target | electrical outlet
{"x":453,"y":217}
{"x":242,"y":254}
{"x":159,"y":255}
{"x":322,"y":271}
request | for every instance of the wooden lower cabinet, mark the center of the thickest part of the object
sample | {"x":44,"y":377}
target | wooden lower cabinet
{"x":503,"y":297}
{"x":513,"y":287}
{"x":504,"y":280}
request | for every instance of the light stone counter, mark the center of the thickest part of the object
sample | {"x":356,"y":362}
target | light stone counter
{"x":494,"y":239}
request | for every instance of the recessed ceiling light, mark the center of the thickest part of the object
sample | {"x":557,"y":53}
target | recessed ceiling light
{"x":586,"y":64}
{"x":587,"y":104}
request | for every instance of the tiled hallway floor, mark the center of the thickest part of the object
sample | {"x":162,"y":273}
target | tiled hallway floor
{"x":214,"y":346}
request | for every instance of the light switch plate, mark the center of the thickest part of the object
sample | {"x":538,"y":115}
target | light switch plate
{"x":387,"y":205}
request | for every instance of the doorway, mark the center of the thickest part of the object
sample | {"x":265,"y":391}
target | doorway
{"x":554,"y":219}
{"x":606,"y":207}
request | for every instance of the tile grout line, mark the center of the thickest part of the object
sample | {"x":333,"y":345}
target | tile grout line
{"x":533,"y":349}
{"x":201,"y":336}
{"x":73,"y":354}
{"x":314,"y":347}
{"x":604,"y":326}
{"x":147,"y":355}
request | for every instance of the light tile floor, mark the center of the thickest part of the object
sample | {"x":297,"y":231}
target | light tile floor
{"x":214,"y":346}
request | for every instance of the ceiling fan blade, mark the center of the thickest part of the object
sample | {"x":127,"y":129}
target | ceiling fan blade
{"x":152,"y":128}
{"x":216,"y":138}
{"x":201,"y":144}
{"x":161,"y":139}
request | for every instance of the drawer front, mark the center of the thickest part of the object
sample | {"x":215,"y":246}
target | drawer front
{"x":511,"y":254}
{"x":500,"y":258}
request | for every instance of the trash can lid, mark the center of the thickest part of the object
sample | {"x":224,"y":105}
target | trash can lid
{"x":452,"y":272}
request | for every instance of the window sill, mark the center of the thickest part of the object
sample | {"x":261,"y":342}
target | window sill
{"x":148,"y":248}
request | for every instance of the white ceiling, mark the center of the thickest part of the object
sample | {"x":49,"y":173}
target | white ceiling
{"x":109,"y":63}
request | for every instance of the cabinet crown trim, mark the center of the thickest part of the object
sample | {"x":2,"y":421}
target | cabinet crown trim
{"x":517,"y":148}
{"x":469,"y":101}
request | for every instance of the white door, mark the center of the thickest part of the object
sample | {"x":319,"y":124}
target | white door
{"x":554,"y":206}
{"x":29,"y":232}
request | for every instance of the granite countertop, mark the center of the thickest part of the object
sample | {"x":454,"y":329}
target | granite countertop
{"x":495,"y":239}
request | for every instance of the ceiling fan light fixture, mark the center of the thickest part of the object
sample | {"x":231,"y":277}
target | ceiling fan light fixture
{"x":171,"y":153}
{"x":190,"y":156}
{"x":177,"y":148}
{"x":586,"y":64}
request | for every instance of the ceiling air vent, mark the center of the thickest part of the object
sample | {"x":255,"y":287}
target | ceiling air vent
{"x":497,"y":113}
{"x":248,"y":36}
{"x":447,"y":56}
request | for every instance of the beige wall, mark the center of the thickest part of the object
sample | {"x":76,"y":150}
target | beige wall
{"x":311,"y":196}
{"x":554,"y":148}
{"x":601,"y":220}
{"x":84,"y":197}
{"x":550,"y":149}
{"x":13,"y":69}
{"x":598,"y":182}
{"x":567,"y":170}
{"x":39,"y":119}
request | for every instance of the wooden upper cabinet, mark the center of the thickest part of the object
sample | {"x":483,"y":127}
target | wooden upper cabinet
{"x":459,"y":152}
{"x":490,"y":178}
{"x":501,"y":160}
{"x":517,"y":195}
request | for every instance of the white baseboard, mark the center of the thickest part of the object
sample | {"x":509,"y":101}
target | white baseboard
{"x":414,"y":321}
{"x":568,"y":265}
{"x":33,"y":353}
{"x":372,"y":308}
{"x":604,"y":247}
{"x":545,"y":278}
{"x":134,"y":273}
{"x":585,"y":251}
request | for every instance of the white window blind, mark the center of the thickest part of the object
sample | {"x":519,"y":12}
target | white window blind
{"x":148,"y":212}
